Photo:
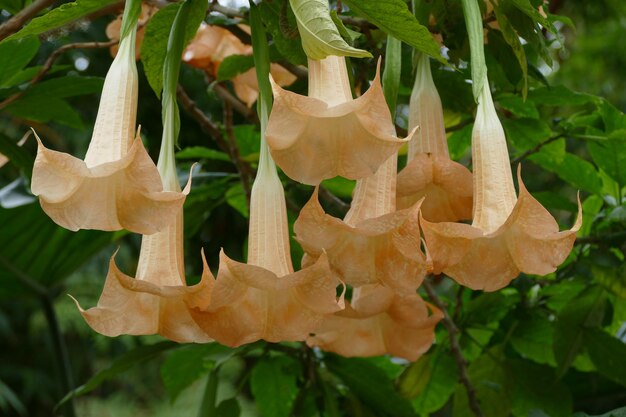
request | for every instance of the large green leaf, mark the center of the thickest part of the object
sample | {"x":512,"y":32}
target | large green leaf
{"x":14,"y":56}
{"x":394,"y":17}
{"x":275,"y":20}
{"x":490,"y":375}
{"x":525,"y":134}
{"x":274,"y":385}
{"x":36,"y":247}
{"x":60,"y":16}
{"x":584,"y":311}
{"x":154,"y":44}
{"x":18,"y":156}
{"x":610,"y":155}
{"x":358,"y":375}
{"x":46,"y":109}
{"x":536,"y":389}
{"x":320,"y":36}
{"x":512,"y":38}
{"x":607,"y":354}
{"x":533,"y":338}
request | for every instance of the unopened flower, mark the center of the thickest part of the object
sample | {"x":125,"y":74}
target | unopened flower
{"x":265,"y":298}
{"x":378,"y":321}
{"x":509,"y":234}
{"x":374,"y":244}
{"x":212,"y":44}
{"x":430,"y":173}
{"x":117,"y":186}
{"x":328,"y":133}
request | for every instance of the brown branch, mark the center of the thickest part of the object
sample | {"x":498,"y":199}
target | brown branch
{"x":455,"y":349}
{"x":245,"y":171}
{"x":331,"y":198}
{"x":16,"y":22}
{"x":536,"y":148}
{"x":223,"y":93}
{"x":47,"y":66}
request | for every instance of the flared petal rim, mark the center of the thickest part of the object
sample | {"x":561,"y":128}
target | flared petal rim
{"x":123,"y":194}
{"x":529,"y":241}
{"x":312,"y":141}
{"x":250,"y":303}
{"x":138,"y":307}
{"x":379,"y":323}
{"x":384,"y":250}
{"x":445,"y":185}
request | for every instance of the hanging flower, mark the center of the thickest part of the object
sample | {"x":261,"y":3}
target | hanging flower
{"x":117,"y":186}
{"x":265,"y":298}
{"x":328,"y":133}
{"x":378,"y":321}
{"x":509,"y":234}
{"x":212,"y":44}
{"x":430,"y":173}
{"x":374,"y":244}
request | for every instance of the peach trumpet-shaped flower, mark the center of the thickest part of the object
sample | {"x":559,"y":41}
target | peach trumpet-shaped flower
{"x":509,"y":234}
{"x":374,"y":244}
{"x":117,"y":186}
{"x":378,"y":321}
{"x":213,"y":44}
{"x":265,"y":298}
{"x":430,"y":173}
{"x":328,"y":133}
{"x":154,"y":302}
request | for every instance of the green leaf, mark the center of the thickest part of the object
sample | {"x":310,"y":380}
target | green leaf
{"x":536,"y":388}
{"x":46,"y":109}
{"x":60,"y":16}
{"x":394,"y":17}
{"x":236,"y":198}
{"x":611,"y":278}
{"x":347,"y":34}
{"x":273,"y":382}
{"x":513,"y":40}
{"x":558,"y":96}
{"x":228,"y":408}
{"x":154,"y":44}
{"x":490,"y":376}
{"x":460,"y":141}
{"x":607,"y":354}
{"x":610,"y":155}
{"x":272,"y":14}
{"x":525,"y":134}
{"x":518,"y":106}
{"x":18,"y":156}
{"x":201,"y":152}
{"x":14,"y":56}
{"x":234,"y":65}
{"x":574,"y":170}
{"x":358,"y":374}
{"x":63,"y":87}
{"x":434,"y":391}
{"x":248,"y":139}
{"x":528,"y":9}
{"x":120,"y":365}
{"x":391,"y":73}
{"x":320,"y":36}
{"x":339,"y":186}
{"x":532,"y":339}
{"x":584,"y":311}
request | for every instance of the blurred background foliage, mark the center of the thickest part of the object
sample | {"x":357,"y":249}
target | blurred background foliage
{"x":544,"y":346}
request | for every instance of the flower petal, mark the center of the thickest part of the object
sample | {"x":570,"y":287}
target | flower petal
{"x":251,"y":303}
{"x":384,"y":250}
{"x":445,"y":184}
{"x":379,"y":322}
{"x":529,"y":241}
{"x":312,"y":141}
{"x":124,"y":194}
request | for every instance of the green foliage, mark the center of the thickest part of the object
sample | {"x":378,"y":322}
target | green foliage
{"x":273,"y":384}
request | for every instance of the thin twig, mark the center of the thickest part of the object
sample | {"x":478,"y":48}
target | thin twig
{"x":455,"y":348}
{"x":536,"y":149}
{"x":16,"y":22}
{"x":47,"y":66}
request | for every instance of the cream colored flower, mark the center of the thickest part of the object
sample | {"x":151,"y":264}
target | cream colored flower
{"x":509,"y":234}
{"x":117,"y":186}
{"x":328,"y":133}
{"x":445,"y":185}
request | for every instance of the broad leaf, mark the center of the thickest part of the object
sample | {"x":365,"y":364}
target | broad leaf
{"x":15,"y":55}
{"x":607,"y":354}
{"x":274,"y":385}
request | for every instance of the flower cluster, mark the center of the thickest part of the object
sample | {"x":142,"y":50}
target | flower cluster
{"x":400,"y":227}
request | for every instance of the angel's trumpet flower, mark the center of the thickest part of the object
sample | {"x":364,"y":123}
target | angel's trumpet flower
{"x":328,"y":133}
{"x":378,"y":321}
{"x":117,"y":186}
{"x":265,"y":298}
{"x":430,"y":173}
{"x":213,"y":44}
{"x":374,"y":244}
{"x":509,"y":234}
